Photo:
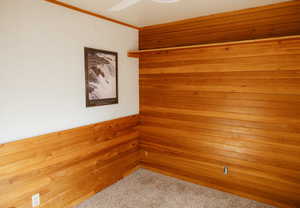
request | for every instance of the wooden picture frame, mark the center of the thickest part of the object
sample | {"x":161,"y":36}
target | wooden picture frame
{"x":101,"y":77}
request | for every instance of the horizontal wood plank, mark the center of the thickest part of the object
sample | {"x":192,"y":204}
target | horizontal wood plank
{"x":262,"y":22}
{"x":235,"y":106}
{"x":67,"y":167}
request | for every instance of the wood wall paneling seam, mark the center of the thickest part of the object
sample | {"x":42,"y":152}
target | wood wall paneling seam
{"x":226,"y":105}
{"x":138,"y":53}
{"x":68,"y":166}
{"x":275,"y":20}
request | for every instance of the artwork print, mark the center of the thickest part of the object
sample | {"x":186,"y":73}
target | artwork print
{"x":101,"y":77}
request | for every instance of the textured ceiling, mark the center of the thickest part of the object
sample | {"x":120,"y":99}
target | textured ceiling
{"x":147,"y":12}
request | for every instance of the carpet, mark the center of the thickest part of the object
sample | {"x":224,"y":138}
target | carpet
{"x":146,"y":189}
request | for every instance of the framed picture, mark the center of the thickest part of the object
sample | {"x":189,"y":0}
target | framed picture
{"x":101,"y":77}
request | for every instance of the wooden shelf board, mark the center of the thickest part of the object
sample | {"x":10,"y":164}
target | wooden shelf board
{"x":137,"y":53}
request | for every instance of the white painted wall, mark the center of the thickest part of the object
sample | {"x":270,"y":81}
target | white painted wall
{"x":42,"y":86}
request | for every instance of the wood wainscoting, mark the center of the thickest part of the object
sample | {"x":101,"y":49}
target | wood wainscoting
{"x":230,"y":105}
{"x":262,"y":22}
{"x":68,"y":166}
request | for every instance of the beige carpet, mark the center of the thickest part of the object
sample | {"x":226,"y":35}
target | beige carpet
{"x":145,"y":189}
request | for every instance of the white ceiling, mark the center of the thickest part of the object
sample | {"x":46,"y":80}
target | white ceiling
{"x":148,"y":12}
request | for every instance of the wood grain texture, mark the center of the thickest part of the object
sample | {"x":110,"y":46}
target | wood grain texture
{"x":262,"y":22}
{"x":138,"y":53}
{"x":236,"y":106}
{"x":68,"y":166}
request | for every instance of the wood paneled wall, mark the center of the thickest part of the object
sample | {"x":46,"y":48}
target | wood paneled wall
{"x":69,"y":166}
{"x":262,"y":22}
{"x":236,"y":106}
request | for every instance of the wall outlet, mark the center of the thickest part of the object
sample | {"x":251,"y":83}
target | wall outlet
{"x":36,"y":200}
{"x":225,"y":170}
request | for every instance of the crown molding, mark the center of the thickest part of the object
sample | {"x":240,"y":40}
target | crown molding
{"x":59,"y":3}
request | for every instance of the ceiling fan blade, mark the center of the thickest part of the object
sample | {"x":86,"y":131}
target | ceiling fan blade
{"x":124,"y":4}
